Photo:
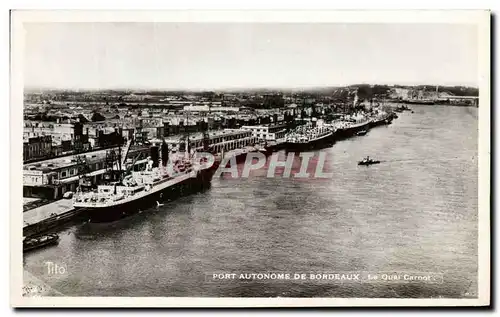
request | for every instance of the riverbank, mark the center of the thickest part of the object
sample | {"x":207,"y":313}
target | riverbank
{"x":49,"y":215}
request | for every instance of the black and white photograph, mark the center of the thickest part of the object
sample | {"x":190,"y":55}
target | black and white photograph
{"x":254,"y":159}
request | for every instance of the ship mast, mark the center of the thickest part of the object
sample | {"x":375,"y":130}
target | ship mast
{"x":206,"y":136}
{"x":222,"y":150}
{"x":186,"y":155}
{"x":119,"y":159}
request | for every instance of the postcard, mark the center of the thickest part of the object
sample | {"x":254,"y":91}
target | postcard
{"x":250,"y":158}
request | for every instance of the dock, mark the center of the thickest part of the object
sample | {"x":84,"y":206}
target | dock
{"x":43,"y":215}
{"x":41,"y":219}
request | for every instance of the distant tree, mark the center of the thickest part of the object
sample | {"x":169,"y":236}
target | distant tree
{"x":96,"y":116}
{"x":365,"y":92}
{"x":380,"y":90}
{"x":82,"y":118}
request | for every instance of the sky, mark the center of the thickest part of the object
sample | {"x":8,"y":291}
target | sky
{"x":236,"y":55}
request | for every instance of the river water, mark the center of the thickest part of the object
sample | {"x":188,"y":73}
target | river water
{"x":414,"y":212}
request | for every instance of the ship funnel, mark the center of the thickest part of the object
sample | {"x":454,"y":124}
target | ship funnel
{"x":155,"y":155}
{"x":164,"y":153}
{"x":187,"y":149}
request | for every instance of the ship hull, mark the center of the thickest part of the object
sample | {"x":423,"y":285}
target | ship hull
{"x":125,"y":210}
{"x":344,"y":133}
{"x":376,"y":123}
{"x":322,"y":142}
{"x":275,"y":147}
{"x":368,"y":164}
{"x":419,"y":102}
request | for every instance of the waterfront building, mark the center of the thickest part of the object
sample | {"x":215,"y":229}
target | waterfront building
{"x":227,"y":139}
{"x":51,"y":178}
{"x":269,"y":132}
{"x":58,"y":131}
{"x":37,"y":147}
{"x":44,"y":139}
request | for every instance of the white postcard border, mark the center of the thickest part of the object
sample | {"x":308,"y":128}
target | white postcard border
{"x":478,"y":17}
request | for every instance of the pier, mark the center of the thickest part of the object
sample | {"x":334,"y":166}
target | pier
{"x":44,"y":218}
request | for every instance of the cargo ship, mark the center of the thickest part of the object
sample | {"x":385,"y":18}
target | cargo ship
{"x":383,"y":119}
{"x":420,"y":101}
{"x":307,"y":137}
{"x":135,"y":191}
{"x":348,"y":129}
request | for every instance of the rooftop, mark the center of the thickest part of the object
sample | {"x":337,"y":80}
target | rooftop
{"x":270,"y":125}
{"x":199,"y":136}
{"x":60,"y":162}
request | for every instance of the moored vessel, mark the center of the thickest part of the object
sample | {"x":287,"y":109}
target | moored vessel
{"x":346,"y":129}
{"x":129,"y":192}
{"x":39,"y":242}
{"x":382,"y":119}
{"x":141,"y":190}
{"x":307,"y":137}
{"x":419,"y":102}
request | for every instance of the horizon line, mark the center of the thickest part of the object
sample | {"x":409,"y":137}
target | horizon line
{"x":194,"y":89}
